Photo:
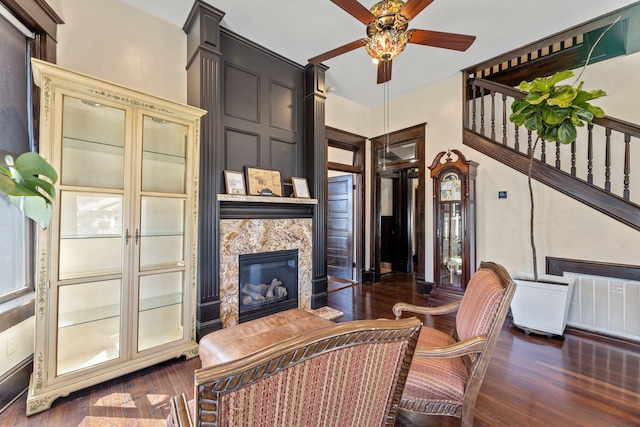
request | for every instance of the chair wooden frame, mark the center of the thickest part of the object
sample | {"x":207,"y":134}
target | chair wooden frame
{"x":481,"y":345}
{"x":212,"y":383}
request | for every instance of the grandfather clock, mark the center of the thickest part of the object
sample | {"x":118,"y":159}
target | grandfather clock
{"x":454,"y":213}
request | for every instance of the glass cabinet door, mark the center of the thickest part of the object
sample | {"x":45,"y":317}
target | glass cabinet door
{"x":89,"y":322}
{"x":93,"y":140}
{"x":160,"y":310}
{"x":91,"y":236}
{"x":162,"y":232}
{"x":164,"y":146}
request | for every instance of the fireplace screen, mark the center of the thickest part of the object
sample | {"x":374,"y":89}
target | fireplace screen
{"x":268,"y":283}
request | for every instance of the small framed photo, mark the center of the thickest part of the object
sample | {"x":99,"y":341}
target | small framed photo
{"x":263,"y":182}
{"x":234,"y":182}
{"x":300,"y":188}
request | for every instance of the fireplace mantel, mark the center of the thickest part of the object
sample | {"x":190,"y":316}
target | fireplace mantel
{"x":234,"y":206}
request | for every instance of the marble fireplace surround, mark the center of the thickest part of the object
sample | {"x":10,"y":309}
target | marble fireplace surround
{"x":252,"y":224}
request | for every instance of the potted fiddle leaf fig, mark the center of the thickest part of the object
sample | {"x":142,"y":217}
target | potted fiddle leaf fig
{"x":21,"y":181}
{"x":553,"y":111}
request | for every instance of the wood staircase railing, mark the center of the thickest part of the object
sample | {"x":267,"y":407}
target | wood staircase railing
{"x":595,"y":169}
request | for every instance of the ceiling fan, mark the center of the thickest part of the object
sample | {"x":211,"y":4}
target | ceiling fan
{"x":387,"y":33}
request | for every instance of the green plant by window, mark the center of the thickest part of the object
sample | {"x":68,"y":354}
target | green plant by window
{"x":21,"y":181}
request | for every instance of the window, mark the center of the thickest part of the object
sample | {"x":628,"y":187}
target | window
{"x":16,"y":257}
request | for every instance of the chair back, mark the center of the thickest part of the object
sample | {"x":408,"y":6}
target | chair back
{"x":482,"y":311}
{"x":347,"y":374}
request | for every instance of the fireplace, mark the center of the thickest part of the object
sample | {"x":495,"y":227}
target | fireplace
{"x":256,"y":224}
{"x":268,"y":283}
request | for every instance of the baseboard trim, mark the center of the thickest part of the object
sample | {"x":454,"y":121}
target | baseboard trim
{"x":15,"y":382}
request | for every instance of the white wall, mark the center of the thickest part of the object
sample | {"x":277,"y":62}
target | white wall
{"x":116,"y":42}
{"x":564,"y":227}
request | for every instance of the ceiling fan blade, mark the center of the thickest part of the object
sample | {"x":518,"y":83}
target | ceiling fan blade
{"x":452,"y":41}
{"x":413,"y":7}
{"x":384,"y":71}
{"x":355,"y":9}
{"x":337,"y":51}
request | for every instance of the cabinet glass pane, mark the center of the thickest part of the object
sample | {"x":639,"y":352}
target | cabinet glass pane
{"x":160,"y":309}
{"x":88,"y":324}
{"x":164,"y":148}
{"x":90,"y":234}
{"x":451,"y":244}
{"x":162,"y":232}
{"x":93,"y":138}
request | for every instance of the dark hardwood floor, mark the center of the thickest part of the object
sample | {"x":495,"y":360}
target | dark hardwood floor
{"x":577,"y":380}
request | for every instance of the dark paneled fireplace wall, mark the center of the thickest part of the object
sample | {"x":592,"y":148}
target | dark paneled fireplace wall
{"x":263,"y":111}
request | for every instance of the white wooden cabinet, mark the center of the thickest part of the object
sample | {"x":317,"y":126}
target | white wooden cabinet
{"x":116,"y":274}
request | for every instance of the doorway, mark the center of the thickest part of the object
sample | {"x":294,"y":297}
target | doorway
{"x":398,"y":204}
{"x":397,"y":221}
{"x":345,"y":205}
{"x":340,"y":226}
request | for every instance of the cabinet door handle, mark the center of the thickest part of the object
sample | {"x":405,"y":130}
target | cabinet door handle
{"x":126,"y":237}
{"x":137,"y":236}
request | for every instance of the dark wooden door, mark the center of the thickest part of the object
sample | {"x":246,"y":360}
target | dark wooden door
{"x":340,"y":227}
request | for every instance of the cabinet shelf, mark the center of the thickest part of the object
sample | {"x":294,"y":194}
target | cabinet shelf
{"x":94,"y":314}
{"x":94,"y":146}
{"x":163,"y":157}
{"x":160,"y":302}
{"x":91,"y":236}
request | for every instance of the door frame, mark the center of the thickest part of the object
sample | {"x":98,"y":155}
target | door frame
{"x":356,"y":144}
{"x":415,"y":134}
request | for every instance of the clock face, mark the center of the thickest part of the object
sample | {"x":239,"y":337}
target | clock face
{"x":450,"y":187}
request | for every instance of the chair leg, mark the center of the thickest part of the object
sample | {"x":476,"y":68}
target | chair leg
{"x":467,"y":417}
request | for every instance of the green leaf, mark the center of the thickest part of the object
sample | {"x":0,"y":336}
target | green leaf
{"x":581,"y":115}
{"x":35,"y":208}
{"x":567,"y":132}
{"x":10,"y":187}
{"x":33,"y":164}
{"x":555,"y":115}
{"x":596,"y":111}
{"x":563,"y":96}
{"x":519,"y":105}
{"x":535,"y":98}
{"x":533,"y":123}
{"x":559,"y":76}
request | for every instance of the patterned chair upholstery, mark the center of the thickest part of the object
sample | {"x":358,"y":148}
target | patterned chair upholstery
{"x":447,"y":371}
{"x":347,"y":374}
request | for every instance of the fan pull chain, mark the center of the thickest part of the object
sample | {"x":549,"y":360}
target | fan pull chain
{"x":385,"y":124}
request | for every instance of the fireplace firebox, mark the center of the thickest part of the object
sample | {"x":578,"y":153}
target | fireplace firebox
{"x":268,"y":283}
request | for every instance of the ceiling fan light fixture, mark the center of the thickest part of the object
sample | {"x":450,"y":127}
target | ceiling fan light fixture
{"x":387,"y":44}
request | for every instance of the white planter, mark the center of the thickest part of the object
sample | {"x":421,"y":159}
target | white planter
{"x":541,"y":307}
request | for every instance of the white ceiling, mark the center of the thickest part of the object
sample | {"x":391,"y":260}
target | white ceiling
{"x":301,"y":29}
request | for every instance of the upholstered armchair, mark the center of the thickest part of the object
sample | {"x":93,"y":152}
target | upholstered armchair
{"x":447,"y":371}
{"x":347,"y":374}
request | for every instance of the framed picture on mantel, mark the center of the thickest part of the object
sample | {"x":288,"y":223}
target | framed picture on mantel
{"x":300,"y":188}
{"x":234,"y":182}
{"x":263,"y":182}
